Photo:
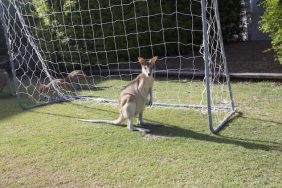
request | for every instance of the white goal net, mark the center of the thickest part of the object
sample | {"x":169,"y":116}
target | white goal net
{"x":88,"y":50}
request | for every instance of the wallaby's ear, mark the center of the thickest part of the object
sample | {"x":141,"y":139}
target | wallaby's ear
{"x":141,"y":60}
{"x":153,"y":60}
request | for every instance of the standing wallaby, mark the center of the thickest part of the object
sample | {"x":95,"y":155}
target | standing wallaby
{"x":134,"y":97}
{"x":5,"y":81}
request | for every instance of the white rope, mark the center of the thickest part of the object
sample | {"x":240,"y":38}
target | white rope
{"x":48,"y":45}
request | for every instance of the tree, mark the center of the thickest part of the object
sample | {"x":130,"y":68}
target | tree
{"x":271,"y":23}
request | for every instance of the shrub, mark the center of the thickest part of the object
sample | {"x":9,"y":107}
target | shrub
{"x":53,"y":28}
{"x":271,"y":23}
{"x":230,"y":19}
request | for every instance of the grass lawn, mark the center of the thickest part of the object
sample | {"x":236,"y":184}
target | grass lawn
{"x":48,"y":146}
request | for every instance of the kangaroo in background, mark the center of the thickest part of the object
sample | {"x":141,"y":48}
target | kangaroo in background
{"x":134,"y":97}
{"x":75,"y":77}
{"x":47,"y":88}
{"x":69,"y":83}
{"x":5,"y":81}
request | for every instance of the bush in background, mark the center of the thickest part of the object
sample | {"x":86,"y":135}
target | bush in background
{"x":230,"y":19}
{"x":119,"y":40}
{"x":112,"y":34}
{"x":271,"y":23}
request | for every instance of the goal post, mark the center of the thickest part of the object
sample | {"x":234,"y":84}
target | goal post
{"x":221,"y":124}
{"x":87,"y":50}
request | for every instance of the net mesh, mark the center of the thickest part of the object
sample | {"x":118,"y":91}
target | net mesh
{"x":49,"y":39}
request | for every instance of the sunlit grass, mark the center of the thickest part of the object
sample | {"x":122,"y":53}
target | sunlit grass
{"x":48,"y":146}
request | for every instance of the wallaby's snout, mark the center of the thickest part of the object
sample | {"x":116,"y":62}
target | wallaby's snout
{"x":151,"y":70}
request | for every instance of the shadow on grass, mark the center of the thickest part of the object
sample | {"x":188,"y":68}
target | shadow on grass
{"x":8,"y":106}
{"x":241,"y":115}
{"x":262,"y":120}
{"x":75,"y":117}
{"x":175,"y":131}
{"x":94,"y":88}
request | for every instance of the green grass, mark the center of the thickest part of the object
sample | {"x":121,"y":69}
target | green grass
{"x":177,"y":91}
{"x":48,"y":146}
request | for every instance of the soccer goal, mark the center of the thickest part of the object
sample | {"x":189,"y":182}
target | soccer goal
{"x":88,"y":49}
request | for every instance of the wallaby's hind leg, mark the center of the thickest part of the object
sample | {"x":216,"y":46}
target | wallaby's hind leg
{"x":128,"y":111}
{"x":140,"y":119}
{"x":131,"y":127}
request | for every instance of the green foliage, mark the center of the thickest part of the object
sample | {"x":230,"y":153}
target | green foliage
{"x":109,"y":32}
{"x":271,"y":23}
{"x":230,"y":19}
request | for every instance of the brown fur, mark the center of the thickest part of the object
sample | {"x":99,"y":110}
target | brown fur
{"x":66,"y":84}
{"x":134,"y":97}
{"x":75,"y":76}
{"x":61,"y":83}
{"x":78,"y":80}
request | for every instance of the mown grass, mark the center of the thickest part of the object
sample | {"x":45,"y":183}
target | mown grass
{"x":48,"y":146}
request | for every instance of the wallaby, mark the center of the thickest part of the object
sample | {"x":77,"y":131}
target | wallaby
{"x":134,"y":97}
{"x":5,"y":81}
{"x":75,"y":78}
{"x":47,"y":88}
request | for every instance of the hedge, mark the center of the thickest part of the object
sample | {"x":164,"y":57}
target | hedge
{"x":111,"y":35}
{"x":271,"y":23}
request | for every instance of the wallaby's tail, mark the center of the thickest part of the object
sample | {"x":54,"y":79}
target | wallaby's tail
{"x":119,"y":120}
